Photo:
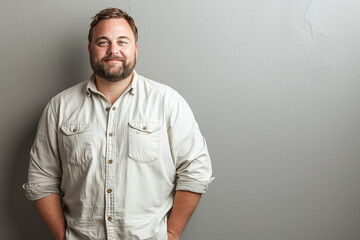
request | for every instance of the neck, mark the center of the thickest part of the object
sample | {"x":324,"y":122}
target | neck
{"x":112,"y":90}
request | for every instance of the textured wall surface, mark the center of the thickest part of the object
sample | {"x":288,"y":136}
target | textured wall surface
{"x":274,"y":86}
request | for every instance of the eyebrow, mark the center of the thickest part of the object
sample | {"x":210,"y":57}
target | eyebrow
{"x":120,"y":37}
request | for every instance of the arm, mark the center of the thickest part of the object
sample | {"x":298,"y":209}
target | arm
{"x":184,"y":205}
{"x":192,"y":163}
{"x":50,"y":211}
{"x":45,"y":173}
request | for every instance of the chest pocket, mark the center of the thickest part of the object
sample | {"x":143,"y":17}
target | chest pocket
{"x":76,"y":143}
{"x":144,"y":141}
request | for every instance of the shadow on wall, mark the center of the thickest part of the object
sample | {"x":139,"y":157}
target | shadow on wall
{"x":21,"y":213}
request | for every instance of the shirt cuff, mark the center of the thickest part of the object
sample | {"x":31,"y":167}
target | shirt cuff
{"x":35,"y":191}
{"x":194,"y":186}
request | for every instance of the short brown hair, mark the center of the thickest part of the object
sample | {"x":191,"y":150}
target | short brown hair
{"x":112,"y":13}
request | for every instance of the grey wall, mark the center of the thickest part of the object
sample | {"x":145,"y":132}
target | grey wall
{"x":274,"y":86}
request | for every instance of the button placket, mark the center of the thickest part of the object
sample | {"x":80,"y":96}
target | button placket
{"x":110,"y":168}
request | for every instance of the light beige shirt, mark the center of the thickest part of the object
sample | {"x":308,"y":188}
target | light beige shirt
{"x":117,"y":166}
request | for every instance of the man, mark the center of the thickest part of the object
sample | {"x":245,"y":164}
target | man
{"x":117,"y":156}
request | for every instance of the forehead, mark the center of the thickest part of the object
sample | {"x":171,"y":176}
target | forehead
{"x":113,"y":28}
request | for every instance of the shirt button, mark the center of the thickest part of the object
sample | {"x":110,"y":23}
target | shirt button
{"x":110,"y":134}
{"x":114,"y":108}
{"x":74,"y":130}
{"x":144,"y":128}
{"x":109,"y":190}
{"x":109,"y":218}
{"x":110,"y":161}
{"x":107,"y":109}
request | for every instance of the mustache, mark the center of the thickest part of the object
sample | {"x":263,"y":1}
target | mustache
{"x":113,"y":57}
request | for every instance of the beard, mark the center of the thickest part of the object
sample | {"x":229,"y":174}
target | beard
{"x":103,"y":69}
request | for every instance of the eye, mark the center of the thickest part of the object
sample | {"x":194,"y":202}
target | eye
{"x":102,"y":43}
{"x":122,"y":42}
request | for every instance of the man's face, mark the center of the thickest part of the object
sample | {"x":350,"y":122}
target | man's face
{"x":113,"y":50}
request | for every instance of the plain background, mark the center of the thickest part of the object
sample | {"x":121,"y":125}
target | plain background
{"x":274,"y":86}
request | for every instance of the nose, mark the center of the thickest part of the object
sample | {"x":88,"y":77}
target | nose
{"x":113,"y":49}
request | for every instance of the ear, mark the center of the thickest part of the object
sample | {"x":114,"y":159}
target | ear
{"x":89,"y":48}
{"x":136,"y":51}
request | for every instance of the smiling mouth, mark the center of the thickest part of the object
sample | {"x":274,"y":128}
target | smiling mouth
{"x":113,"y":60}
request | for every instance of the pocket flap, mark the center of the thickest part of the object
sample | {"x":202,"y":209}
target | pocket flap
{"x":145,"y":126}
{"x":74,"y":128}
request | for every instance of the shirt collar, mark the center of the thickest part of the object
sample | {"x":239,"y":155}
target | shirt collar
{"x":91,"y":86}
{"x":133,"y":83}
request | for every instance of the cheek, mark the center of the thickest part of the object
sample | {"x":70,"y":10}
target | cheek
{"x":128,"y":53}
{"x":99,"y":54}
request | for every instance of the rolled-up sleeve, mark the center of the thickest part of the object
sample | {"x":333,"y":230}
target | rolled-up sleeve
{"x":44,"y":176}
{"x":188,"y":148}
